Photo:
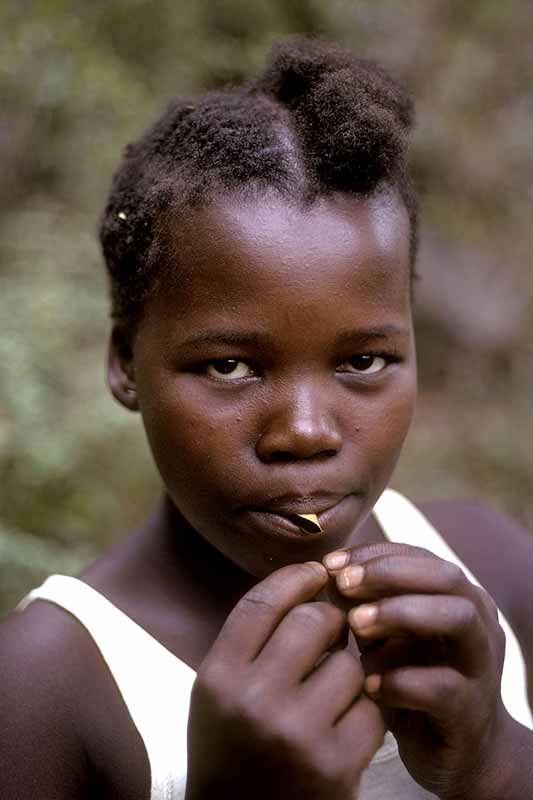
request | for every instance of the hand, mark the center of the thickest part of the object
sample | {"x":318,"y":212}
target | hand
{"x":432,"y":650}
{"x":265,"y":720}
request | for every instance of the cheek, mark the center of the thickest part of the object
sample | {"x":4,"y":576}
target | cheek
{"x":386,"y":435}
{"x":196,"y":448}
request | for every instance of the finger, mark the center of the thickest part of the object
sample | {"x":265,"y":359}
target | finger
{"x":389,"y":654}
{"x":339,"y":559}
{"x":336,"y":598}
{"x":259,"y":612}
{"x":439,"y":691}
{"x":360,"y":731}
{"x":426,"y":617}
{"x":301,"y":638}
{"x":333,"y":687}
{"x":389,"y":575}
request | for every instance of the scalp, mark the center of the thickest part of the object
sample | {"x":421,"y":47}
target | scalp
{"x":317,"y":120}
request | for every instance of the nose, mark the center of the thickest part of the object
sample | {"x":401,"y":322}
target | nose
{"x":299,"y":425}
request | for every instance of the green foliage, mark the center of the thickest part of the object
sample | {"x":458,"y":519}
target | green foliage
{"x":26,"y":560}
{"x":80,"y":79}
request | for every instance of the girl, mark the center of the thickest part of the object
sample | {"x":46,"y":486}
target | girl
{"x":260,"y":244}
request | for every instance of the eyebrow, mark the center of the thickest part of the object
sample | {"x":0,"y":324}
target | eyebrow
{"x":231,"y":337}
{"x":371,"y":334}
{"x":256,"y":339}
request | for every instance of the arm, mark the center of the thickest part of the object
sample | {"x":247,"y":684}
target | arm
{"x":499,"y":551}
{"x":66,"y":731}
{"x":267,"y":710}
{"x":510,"y":774}
{"x":432,"y":650}
{"x":41,"y":754}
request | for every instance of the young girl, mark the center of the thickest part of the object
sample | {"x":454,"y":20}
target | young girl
{"x":282,"y":625}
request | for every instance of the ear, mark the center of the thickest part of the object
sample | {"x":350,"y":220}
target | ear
{"x":120,"y":368}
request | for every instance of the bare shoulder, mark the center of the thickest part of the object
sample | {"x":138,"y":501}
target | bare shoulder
{"x":62,"y":714}
{"x":40,"y":741}
{"x":497,"y":549}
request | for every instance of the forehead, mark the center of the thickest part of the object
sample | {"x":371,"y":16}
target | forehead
{"x":243,"y":251}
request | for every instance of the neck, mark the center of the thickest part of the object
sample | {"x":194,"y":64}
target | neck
{"x":180,"y":568}
{"x":172,"y":582}
{"x":184,"y":554}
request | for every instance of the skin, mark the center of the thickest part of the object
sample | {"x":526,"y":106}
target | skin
{"x":278,"y":421}
{"x":264,"y":716}
{"x":432,"y":650}
{"x":224,"y":583}
{"x":299,"y":427}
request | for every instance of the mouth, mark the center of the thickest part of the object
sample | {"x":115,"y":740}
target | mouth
{"x":308,"y":523}
{"x":302,"y":517}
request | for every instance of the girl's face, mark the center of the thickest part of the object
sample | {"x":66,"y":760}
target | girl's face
{"x":278,"y":376}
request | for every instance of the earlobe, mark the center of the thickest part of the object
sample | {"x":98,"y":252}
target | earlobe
{"x":120,"y":369}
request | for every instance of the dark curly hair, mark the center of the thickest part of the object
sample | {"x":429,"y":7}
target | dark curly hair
{"x":317,"y":120}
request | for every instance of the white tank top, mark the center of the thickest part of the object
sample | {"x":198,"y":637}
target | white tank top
{"x":156,"y":686}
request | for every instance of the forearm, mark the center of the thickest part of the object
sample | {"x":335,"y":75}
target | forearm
{"x":509,"y":775}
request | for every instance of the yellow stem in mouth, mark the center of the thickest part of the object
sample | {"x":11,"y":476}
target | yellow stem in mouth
{"x":309,"y":523}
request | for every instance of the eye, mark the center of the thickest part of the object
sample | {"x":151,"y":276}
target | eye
{"x":228,"y":369}
{"x":368,"y":364}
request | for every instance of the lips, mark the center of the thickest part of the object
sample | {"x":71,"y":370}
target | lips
{"x":336,"y":514}
{"x":291,"y":505}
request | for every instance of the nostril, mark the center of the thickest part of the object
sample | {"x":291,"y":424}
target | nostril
{"x":281,"y":456}
{"x":293,"y":434}
{"x":326,"y":454}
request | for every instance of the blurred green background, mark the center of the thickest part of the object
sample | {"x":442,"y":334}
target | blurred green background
{"x":80,"y":79}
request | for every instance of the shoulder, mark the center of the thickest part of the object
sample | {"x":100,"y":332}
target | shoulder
{"x":497,"y":549}
{"x":38,"y":704}
{"x":60,"y":706}
{"x":494,"y":546}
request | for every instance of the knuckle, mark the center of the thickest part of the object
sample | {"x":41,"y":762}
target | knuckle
{"x":349,"y":667}
{"x":252,"y":711}
{"x":422,"y":552}
{"x":455,"y":577}
{"x":243,"y":701}
{"x":328,"y":765}
{"x":257,"y":600}
{"x":489,"y":602}
{"x":445,"y":689}
{"x":371,"y":718}
{"x":289,"y":728}
{"x":466,"y":615}
{"x":274,"y":593}
{"x":317,"y":615}
{"x":500,"y":641}
{"x":331,"y":613}
{"x":360,"y":741}
{"x":253,"y":692}
{"x":233,"y":694}
{"x":289,"y":734}
{"x":209,"y":689}
{"x":207,"y":681}
{"x":283,"y":730}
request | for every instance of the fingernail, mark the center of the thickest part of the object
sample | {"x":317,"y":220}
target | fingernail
{"x":350,"y":577}
{"x":336,"y":560}
{"x":363,"y":616}
{"x":373,"y":684}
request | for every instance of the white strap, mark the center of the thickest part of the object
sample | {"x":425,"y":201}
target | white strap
{"x":403,"y":523}
{"x":154,"y":684}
